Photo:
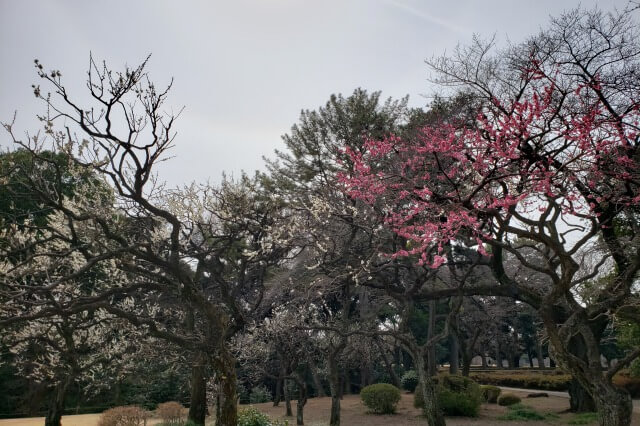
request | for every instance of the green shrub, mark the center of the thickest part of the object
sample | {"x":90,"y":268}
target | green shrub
{"x":490,"y":393}
{"x":457,"y":396}
{"x":458,"y":403}
{"x":259,"y":394}
{"x":250,"y":416}
{"x":519,"y":412}
{"x":381,"y":398}
{"x":409,"y":380}
{"x":508,"y":399}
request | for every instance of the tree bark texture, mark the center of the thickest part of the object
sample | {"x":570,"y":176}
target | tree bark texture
{"x":56,"y":405}
{"x":198,"y":406}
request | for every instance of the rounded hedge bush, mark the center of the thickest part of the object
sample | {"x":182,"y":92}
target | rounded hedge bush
{"x":409,"y":380}
{"x":490,"y":393}
{"x":458,"y":403}
{"x":457,"y":396}
{"x":508,"y":399}
{"x":381,"y":398}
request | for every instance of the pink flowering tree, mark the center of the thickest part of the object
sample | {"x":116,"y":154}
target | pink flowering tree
{"x":549,"y":165}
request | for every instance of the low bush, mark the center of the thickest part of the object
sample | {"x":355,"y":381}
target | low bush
{"x":381,"y":398}
{"x":519,"y":412}
{"x":259,"y":394}
{"x":508,"y":399}
{"x":458,"y":403}
{"x":171,"y":413}
{"x":250,"y":416}
{"x":409,"y":380}
{"x":490,"y":393}
{"x":457,"y":396}
{"x":130,"y":415}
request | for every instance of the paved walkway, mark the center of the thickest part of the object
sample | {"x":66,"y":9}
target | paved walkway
{"x":636,"y":402}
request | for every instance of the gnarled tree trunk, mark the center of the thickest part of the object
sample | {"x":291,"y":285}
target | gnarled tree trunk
{"x":56,"y":405}
{"x":431,"y":409}
{"x":614,"y":405}
{"x":198,"y":407}
{"x":580,"y":401}
{"x":225,"y":366}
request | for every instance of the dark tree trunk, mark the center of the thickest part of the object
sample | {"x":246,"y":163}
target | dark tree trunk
{"x":118,"y":393}
{"x":614,"y":405}
{"x":278,"y":395}
{"x":498,"y":356}
{"x":302,"y":400}
{"x":530,"y":356}
{"x":454,"y":355}
{"x":431,"y":408}
{"x":540,"y":354}
{"x":395,"y":380}
{"x":580,"y":401}
{"x":334,"y":385}
{"x":509,"y":360}
{"x":316,"y":379}
{"x":287,"y":399}
{"x":198,"y":407}
{"x":229,"y":388}
{"x":466,"y":364}
{"x":56,"y":405}
{"x":432,"y":368}
{"x":218,"y":409}
{"x":483,"y":358}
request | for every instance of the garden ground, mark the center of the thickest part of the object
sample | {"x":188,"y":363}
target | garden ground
{"x":354,"y":414}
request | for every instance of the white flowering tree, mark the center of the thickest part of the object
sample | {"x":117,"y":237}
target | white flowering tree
{"x":192,"y":261}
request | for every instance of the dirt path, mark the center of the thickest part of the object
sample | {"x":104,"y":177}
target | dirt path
{"x":354,"y":413}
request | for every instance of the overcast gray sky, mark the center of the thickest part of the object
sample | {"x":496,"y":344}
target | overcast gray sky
{"x":244,"y":69}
